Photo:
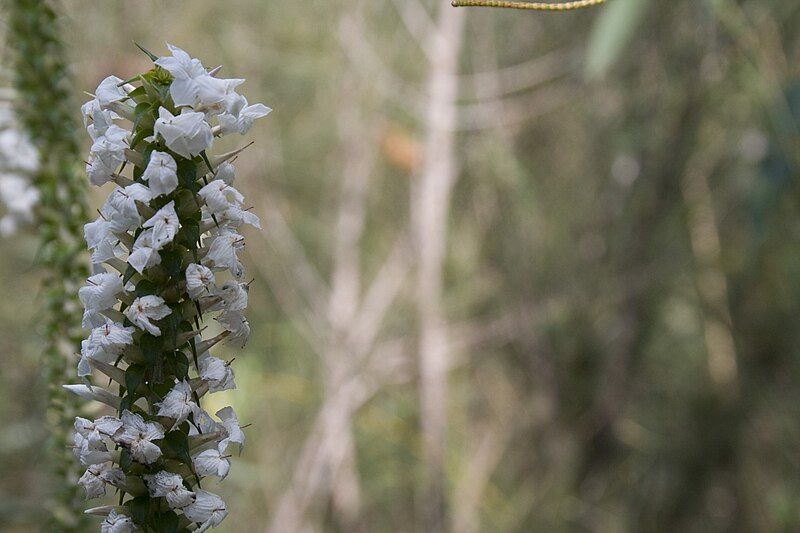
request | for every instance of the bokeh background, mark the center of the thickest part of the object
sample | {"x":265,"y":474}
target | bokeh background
{"x":519,"y":271}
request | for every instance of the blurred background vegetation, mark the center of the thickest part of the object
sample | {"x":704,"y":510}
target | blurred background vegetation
{"x":519,"y":271}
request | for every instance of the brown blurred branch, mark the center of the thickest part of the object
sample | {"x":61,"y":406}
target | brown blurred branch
{"x":430,"y":206}
{"x":710,"y":280}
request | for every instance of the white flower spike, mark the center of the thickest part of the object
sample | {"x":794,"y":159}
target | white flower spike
{"x":165,"y":258}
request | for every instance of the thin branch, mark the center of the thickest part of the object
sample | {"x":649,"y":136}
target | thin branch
{"x":534,"y":6}
{"x":418,"y":23}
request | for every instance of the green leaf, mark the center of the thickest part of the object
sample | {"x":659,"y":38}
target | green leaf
{"x":143,"y":119}
{"x":133,"y":377}
{"x":187,"y":174}
{"x":147,"y":52}
{"x":137,"y":93}
{"x":139,"y":137}
{"x":189,"y":234}
{"x":129,"y":272}
{"x":176,"y":446}
{"x":125,"y":459}
{"x":140,"y":508}
{"x":171,"y":262}
{"x":151,"y":348}
{"x":178,"y":365}
{"x":186,"y":205}
{"x":145,"y":288}
{"x":165,"y":522}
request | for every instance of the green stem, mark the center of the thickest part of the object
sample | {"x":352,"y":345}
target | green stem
{"x":45,"y":109}
{"x":535,"y":6}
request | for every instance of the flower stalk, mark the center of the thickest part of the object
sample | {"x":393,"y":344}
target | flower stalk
{"x":164,"y":254}
{"x":56,"y":206}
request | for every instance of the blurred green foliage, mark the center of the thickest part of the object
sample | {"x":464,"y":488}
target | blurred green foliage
{"x":45,"y":106}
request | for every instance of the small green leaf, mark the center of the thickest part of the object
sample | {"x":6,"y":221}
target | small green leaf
{"x":147,"y":52}
{"x":137,"y":93}
{"x":133,"y":377}
{"x":189,"y":234}
{"x":125,"y":459}
{"x":145,"y":288}
{"x":178,"y":365}
{"x":165,"y":522}
{"x":171,"y":261}
{"x":187,"y":174}
{"x":151,"y":348}
{"x":140,"y":508}
{"x":129,"y":272}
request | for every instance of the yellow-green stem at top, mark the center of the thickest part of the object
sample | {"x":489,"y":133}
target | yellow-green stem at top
{"x":534,"y":6}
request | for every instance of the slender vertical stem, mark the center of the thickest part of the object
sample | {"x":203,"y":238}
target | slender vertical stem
{"x":45,"y":109}
{"x":430,"y":207}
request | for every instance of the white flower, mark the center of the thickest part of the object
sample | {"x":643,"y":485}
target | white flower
{"x":101,"y":118}
{"x":138,"y":436}
{"x":84,"y":368}
{"x":241,"y":116}
{"x":117,"y":523}
{"x":213,"y":462}
{"x":18,"y":195}
{"x":234,"y":295}
{"x":184,"y":70}
{"x":101,"y":291}
{"x":222,"y":251}
{"x":147,"y":308}
{"x":187,"y":134}
{"x":89,"y":452}
{"x":144,"y":253}
{"x":199,"y":279}
{"x":208,"y":509}
{"x":226,"y":172}
{"x":219,"y":196}
{"x":118,"y":215}
{"x":206,"y":424}
{"x":193,"y":86}
{"x":170,"y":486}
{"x":109,"y":91}
{"x":178,"y":404}
{"x":112,"y":337}
{"x":103,"y":243}
{"x":231,"y":424}
{"x":215,"y":95}
{"x":165,"y":225}
{"x":97,"y":476}
{"x":98,"y":172}
{"x":216,"y":372}
{"x":161,"y":173}
{"x":109,"y":148}
{"x":95,"y":432}
{"x":121,"y":205}
{"x":17,"y":152}
{"x":105,"y":343}
{"x":236,"y":323}
{"x":232,"y":218}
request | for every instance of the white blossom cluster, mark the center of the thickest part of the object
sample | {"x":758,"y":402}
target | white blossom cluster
{"x":166,"y":236}
{"x":19,"y":161}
